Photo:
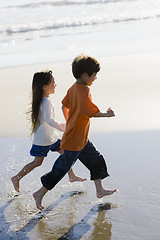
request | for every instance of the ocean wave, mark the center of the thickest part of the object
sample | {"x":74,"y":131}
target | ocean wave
{"x":70,"y":23}
{"x":63,"y":3}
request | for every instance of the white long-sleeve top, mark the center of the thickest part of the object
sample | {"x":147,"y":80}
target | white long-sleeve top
{"x":45,"y":134}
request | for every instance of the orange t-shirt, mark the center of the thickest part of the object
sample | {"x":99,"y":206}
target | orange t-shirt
{"x":79,"y":102}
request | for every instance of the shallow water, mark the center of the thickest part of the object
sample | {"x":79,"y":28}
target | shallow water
{"x":133,"y":163}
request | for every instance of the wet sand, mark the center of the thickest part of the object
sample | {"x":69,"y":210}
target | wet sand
{"x":129,"y":143}
{"x":134,"y":170}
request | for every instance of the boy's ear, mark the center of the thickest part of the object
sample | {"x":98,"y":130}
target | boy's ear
{"x":85,"y":74}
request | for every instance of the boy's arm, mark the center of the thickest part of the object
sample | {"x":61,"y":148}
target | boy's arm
{"x":109,"y":113}
{"x":65,"y":112}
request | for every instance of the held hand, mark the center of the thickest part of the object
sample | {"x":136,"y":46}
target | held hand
{"x":62,"y":126}
{"x":110,"y":113}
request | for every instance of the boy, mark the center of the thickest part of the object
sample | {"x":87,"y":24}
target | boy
{"x":78,"y":108}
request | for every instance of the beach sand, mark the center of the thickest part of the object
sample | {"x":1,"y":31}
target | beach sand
{"x":129,"y":143}
{"x":129,"y":84}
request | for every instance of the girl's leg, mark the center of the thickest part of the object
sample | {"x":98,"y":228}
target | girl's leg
{"x":100,"y":191}
{"x":71,"y":174}
{"x":25,"y":170}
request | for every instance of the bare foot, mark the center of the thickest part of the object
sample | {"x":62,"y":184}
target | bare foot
{"x":74,"y":178}
{"x":15,"y":182}
{"x":104,"y":192}
{"x":38,"y":200}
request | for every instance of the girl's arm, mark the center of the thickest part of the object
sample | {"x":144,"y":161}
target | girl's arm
{"x":109,"y":113}
{"x":65,"y":112}
{"x":48,"y":116}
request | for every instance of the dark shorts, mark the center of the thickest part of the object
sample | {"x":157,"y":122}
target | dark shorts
{"x":89,"y":156}
{"x":42,"y":151}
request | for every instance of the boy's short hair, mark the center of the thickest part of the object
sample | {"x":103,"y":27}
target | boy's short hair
{"x":84,"y":64}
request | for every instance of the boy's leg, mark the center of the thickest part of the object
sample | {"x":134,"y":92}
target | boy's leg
{"x":95,"y":162}
{"x":74,"y":178}
{"x":38,"y":196}
{"x":61,"y":166}
{"x":25,"y":170}
{"x":100,"y":191}
{"x":71,"y":174}
{"x":49,"y":180}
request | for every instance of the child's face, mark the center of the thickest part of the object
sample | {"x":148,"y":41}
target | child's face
{"x":89,"y":80}
{"x":50,"y":88}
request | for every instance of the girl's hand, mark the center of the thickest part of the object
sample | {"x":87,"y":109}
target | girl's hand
{"x":62,"y":126}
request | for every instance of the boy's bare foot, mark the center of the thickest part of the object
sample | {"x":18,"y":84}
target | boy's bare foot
{"x":74,"y":178}
{"x":104,"y":192}
{"x":15,"y":182}
{"x":38,"y":200}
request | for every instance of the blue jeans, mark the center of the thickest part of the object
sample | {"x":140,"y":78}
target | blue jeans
{"x":89,"y":156}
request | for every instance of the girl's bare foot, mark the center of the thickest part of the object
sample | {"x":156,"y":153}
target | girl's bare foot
{"x":15,"y":182}
{"x":74,"y":178}
{"x":104,"y":192}
{"x":38,"y":200}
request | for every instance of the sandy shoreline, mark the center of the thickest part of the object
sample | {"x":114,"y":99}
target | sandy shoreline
{"x":129,"y":84}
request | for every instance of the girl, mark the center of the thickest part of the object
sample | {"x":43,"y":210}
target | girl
{"x":43,"y":126}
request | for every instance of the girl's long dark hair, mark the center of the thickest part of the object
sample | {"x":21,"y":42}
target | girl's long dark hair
{"x":40,"y":79}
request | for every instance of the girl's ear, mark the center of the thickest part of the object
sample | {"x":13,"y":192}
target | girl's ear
{"x":44,"y":87}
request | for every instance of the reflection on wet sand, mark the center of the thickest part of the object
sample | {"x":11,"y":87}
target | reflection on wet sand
{"x":47,"y":230}
{"x":35,"y":220}
{"x":23,"y":231}
{"x":59,"y":221}
{"x":5,"y":226}
{"x":102,"y":227}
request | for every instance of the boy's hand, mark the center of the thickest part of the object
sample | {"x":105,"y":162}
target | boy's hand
{"x":110,"y":113}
